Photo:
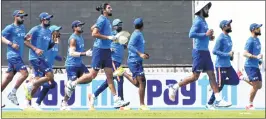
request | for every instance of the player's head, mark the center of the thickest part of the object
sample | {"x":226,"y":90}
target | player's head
{"x":202,"y":8}
{"x":45,"y":19}
{"x":255,"y":29}
{"x":225,"y":25}
{"x":117,"y":25}
{"x":77,"y":26}
{"x":19,"y":16}
{"x":105,"y":9}
{"x":55,"y":31}
{"x":138,"y":22}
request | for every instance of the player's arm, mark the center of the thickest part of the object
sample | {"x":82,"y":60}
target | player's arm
{"x":92,"y":27}
{"x":132,"y":46}
{"x":217,"y":49}
{"x":5,"y":33}
{"x":28,"y":38}
{"x":96,"y":30}
{"x":193,"y":33}
{"x":72,"y":49}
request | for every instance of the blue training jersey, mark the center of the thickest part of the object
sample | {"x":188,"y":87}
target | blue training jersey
{"x":136,"y":43}
{"x":221,"y":49}
{"x":253,"y":46}
{"x":52,"y":55}
{"x":118,"y":53}
{"x":41,"y":39}
{"x":198,"y":33}
{"x":105,"y":28}
{"x":16,"y":35}
{"x":75,"y":61}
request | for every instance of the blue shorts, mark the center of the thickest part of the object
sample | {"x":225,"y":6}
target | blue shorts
{"x":115,"y":65}
{"x":202,"y":61}
{"x":253,"y":74}
{"x":74,"y":72}
{"x":101,"y":58}
{"x":136,"y":68}
{"x":15,"y":64}
{"x":40,"y":67}
{"x":226,"y":75}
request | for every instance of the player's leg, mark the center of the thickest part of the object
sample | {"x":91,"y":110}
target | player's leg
{"x":221,"y":76}
{"x":7,"y":79}
{"x":19,"y":66}
{"x":119,"y":79}
{"x":131,"y":79}
{"x":233,"y":77}
{"x":197,"y":67}
{"x":43,"y":66}
{"x":256,"y":82}
{"x":219,"y":102}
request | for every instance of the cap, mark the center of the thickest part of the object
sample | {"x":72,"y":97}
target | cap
{"x":254,"y":26}
{"x":55,"y":28}
{"x":224,"y":23}
{"x":116,"y":22}
{"x":19,"y":13}
{"x":138,"y":21}
{"x":45,"y":15}
{"x":76,"y":23}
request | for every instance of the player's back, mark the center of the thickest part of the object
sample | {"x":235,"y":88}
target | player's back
{"x":41,"y":38}
{"x":105,"y":28}
{"x":16,"y":35}
{"x":75,"y":61}
{"x":136,"y":41}
{"x":197,"y":32}
{"x":118,"y":53}
{"x":51,"y":54}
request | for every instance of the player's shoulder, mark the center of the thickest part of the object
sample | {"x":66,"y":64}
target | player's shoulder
{"x":250,"y":39}
{"x":101,"y":18}
{"x":197,"y":20}
{"x":73,"y":36}
{"x":9,"y":27}
{"x":36,"y":28}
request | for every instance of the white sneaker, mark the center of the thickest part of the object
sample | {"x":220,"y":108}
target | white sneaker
{"x":64,"y":106}
{"x":69,"y":88}
{"x":37,"y":107}
{"x":172,"y":92}
{"x":91,"y":101}
{"x":222,"y":103}
{"x":210,"y":107}
{"x":13,"y":98}
{"x":120,"y":103}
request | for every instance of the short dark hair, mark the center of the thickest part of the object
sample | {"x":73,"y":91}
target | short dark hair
{"x":139,"y":26}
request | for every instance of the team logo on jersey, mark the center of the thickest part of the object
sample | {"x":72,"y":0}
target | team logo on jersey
{"x":17,"y":30}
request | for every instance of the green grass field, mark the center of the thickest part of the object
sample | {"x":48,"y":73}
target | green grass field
{"x":136,"y":114}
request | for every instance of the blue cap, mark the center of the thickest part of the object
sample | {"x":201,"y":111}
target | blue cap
{"x":76,"y":23}
{"x":254,"y":26}
{"x":116,"y":22}
{"x":224,"y":23}
{"x":55,"y":28}
{"x":45,"y":15}
{"x":19,"y":13}
{"x":138,"y":21}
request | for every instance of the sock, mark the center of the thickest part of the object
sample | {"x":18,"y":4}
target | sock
{"x":14,"y":91}
{"x":176,"y":86}
{"x":116,"y":97}
{"x":250,"y":103}
{"x":74,"y":83}
{"x":218,"y":97}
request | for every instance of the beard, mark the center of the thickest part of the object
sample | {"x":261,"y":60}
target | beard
{"x":19,"y":22}
{"x":228,"y":30}
{"x":257,"y":33}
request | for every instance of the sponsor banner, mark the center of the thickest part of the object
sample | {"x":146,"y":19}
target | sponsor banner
{"x":194,"y":95}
